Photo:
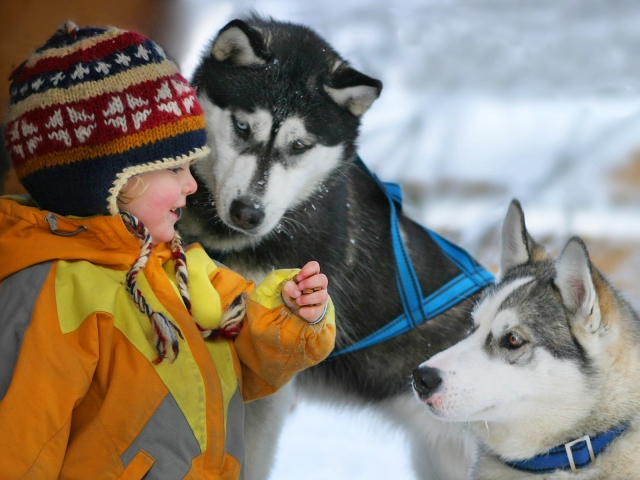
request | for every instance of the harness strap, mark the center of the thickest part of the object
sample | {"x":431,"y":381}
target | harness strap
{"x":417,"y":308}
{"x":572,"y":456}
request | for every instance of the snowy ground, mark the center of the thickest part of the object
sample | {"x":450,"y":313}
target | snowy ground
{"x":321,"y":443}
{"x":482,"y":102}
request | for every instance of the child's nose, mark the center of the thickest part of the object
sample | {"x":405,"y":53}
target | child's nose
{"x":190,"y":186}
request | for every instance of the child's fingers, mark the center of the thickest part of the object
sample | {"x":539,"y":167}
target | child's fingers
{"x":313,"y":298}
{"x":311,"y":313}
{"x":290,"y":292}
{"x":291,"y":289}
{"x":315,"y":282}
{"x":307,"y":294}
{"x":310,"y":269}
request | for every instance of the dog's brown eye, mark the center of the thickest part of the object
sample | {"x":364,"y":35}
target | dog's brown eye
{"x":515,"y":340}
{"x":299,"y":147}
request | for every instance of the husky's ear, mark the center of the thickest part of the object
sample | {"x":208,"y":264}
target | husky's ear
{"x":353,"y":90}
{"x":518,"y":248}
{"x":574,"y":280}
{"x":240,"y":44}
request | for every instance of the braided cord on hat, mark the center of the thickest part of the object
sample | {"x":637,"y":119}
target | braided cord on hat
{"x":180,"y":268}
{"x":164,"y":330}
{"x":231,"y":320}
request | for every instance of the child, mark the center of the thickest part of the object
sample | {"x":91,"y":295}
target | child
{"x":122,"y":355}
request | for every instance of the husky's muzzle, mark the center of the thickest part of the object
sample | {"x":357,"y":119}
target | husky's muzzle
{"x":426,"y":381}
{"x":246,"y":212}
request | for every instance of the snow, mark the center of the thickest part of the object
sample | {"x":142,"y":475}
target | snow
{"x":483,"y":101}
{"x":323,"y":442}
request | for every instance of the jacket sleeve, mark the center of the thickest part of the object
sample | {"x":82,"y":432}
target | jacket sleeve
{"x":42,"y":378}
{"x":274,"y":344}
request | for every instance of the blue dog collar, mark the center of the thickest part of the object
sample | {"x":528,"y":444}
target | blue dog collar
{"x":573,"y":456}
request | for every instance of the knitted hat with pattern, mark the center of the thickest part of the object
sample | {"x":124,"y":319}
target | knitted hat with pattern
{"x":91,"y":108}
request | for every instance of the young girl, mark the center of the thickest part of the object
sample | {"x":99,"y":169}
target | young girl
{"x":121,"y":354}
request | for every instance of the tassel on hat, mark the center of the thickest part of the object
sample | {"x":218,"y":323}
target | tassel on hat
{"x":68,"y":28}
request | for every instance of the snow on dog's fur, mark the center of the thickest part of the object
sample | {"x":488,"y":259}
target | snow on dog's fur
{"x":282,"y":187}
{"x":555,"y":356}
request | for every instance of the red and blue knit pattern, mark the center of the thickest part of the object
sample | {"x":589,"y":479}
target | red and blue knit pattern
{"x":96,"y":63}
{"x":88,"y":105}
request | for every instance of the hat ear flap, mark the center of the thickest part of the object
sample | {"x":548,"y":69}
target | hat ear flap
{"x":240,"y":44}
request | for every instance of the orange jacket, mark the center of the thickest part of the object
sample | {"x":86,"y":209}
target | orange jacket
{"x":80,"y":396}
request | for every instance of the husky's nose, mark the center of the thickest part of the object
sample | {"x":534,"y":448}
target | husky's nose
{"x":426,"y":381}
{"x":246,"y":213}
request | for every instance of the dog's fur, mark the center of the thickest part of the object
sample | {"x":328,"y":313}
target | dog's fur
{"x":555,"y":356}
{"x":280,"y":189}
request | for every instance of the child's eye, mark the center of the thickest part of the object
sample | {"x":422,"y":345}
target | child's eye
{"x":176,"y":169}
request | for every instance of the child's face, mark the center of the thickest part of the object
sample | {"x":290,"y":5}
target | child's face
{"x":155,"y":198}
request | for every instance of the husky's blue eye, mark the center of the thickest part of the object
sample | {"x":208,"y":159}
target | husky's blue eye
{"x":241,"y":127}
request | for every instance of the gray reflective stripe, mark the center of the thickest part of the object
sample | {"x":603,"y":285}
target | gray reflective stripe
{"x":168,"y":438}
{"x":18,"y":294}
{"x":234,"y":442}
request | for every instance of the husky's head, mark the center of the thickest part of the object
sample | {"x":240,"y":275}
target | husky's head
{"x":552,"y":355}
{"x":283,"y":111}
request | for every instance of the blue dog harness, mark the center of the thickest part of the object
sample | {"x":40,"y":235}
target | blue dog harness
{"x":571,"y":456}
{"x":418,"y":308}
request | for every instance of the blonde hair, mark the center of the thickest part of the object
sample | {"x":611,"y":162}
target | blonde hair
{"x":123,"y":196}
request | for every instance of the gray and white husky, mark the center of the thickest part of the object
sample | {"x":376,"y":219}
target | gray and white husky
{"x":549,"y":379}
{"x":282,"y":187}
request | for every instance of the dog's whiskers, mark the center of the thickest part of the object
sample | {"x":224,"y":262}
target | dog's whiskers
{"x":295,"y":224}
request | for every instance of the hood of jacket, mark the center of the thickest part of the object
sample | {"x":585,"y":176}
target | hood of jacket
{"x":26,"y":238}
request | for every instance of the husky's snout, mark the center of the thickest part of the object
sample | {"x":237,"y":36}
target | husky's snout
{"x":246,"y":212}
{"x":426,"y":381}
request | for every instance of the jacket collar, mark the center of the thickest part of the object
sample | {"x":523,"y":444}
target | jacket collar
{"x":575,"y":455}
{"x":41,"y":236}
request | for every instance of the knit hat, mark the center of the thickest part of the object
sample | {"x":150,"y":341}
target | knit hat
{"x":91,"y":108}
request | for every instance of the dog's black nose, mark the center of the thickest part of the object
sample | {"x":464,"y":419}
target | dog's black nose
{"x":246,"y":213}
{"x":426,"y":381}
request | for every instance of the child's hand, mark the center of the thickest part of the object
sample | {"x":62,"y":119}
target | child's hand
{"x":306,"y":295}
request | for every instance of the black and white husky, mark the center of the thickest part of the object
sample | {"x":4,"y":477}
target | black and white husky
{"x":283,"y":186}
{"x":548,"y":380}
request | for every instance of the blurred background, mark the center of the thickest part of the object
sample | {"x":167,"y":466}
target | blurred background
{"x":483,"y":101}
